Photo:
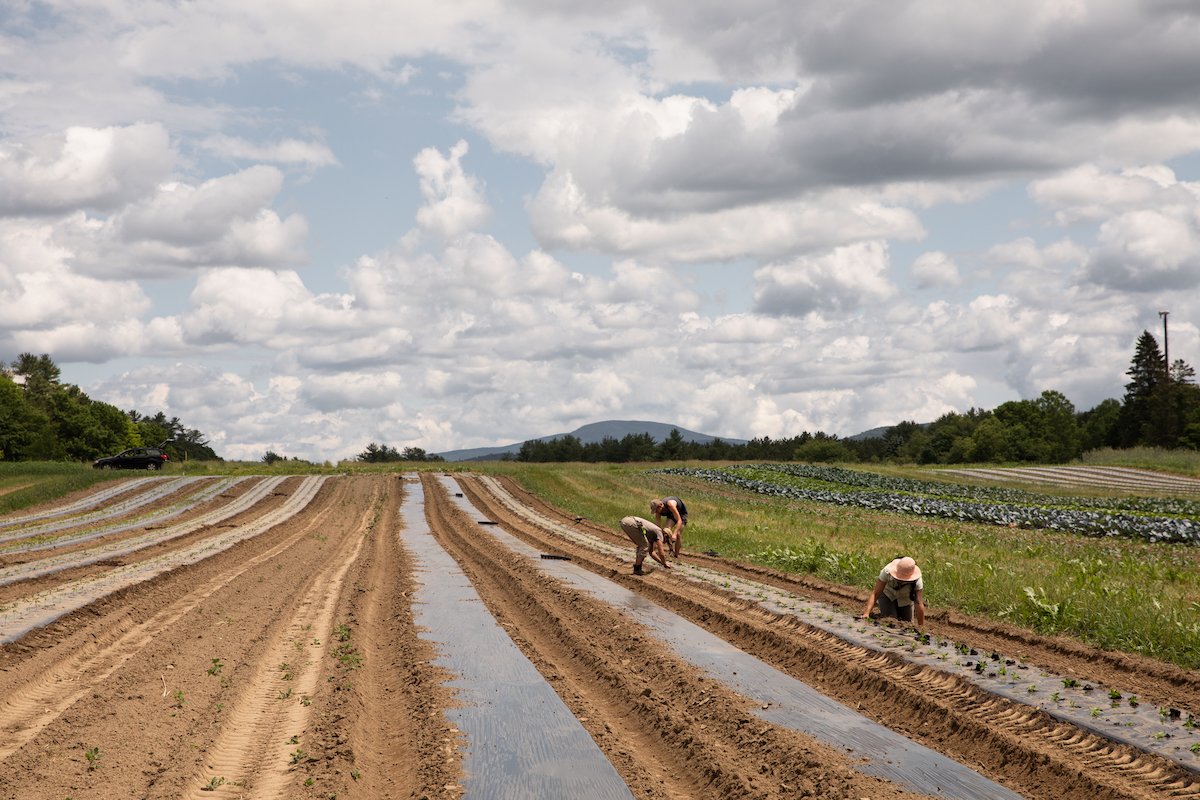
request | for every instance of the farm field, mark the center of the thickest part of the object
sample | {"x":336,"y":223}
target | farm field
{"x":457,"y":635}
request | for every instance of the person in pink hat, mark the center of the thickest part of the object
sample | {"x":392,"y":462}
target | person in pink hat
{"x":899,"y":591}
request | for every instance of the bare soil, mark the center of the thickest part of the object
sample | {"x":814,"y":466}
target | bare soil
{"x":290,"y":665}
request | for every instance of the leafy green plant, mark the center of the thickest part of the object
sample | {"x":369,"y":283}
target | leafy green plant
{"x":216,"y":667}
{"x":92,"y":754}
{"x":212,"y":784}
{"x":298,"y":755}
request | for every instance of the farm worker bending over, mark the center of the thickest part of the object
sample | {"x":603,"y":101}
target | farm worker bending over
{"x":676,"y":513}
{"x":649,"y":539}
{"x":899,"y":589}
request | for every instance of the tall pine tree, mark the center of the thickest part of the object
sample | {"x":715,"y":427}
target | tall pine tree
{"x":1146,"y":372}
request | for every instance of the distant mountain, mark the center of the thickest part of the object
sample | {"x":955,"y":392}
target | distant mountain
{"x":592,"y":433}
{"x":873,"y":433}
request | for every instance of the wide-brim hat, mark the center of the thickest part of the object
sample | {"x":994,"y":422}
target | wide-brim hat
{"x":904,"y":569}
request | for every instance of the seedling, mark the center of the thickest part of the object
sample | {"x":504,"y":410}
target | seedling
{"x":216,"y":667}
{"x":1195,"y":748}
{"x":342,"y":632}
{"x":284,"y":695}
{"x":1032,"y":688}
{"x":288,"y":672}
{"x":212,"y":784}
{"x":355,"y":774}
{"x":1133,"y":701}
{"x":178,"y":695}
{"x":294,"y":740}
{"x":1095,"y":712}
{"x":92,"y":754}
{"x":298,"y":755}
{"x":1070,"y":683}
{"x":1055,"y":697}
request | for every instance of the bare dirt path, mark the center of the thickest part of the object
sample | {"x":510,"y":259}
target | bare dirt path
{"x":290,"y":665}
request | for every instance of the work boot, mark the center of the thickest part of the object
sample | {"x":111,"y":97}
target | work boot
{"x":637,"y":570}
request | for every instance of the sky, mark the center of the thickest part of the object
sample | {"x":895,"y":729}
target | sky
{"x":308,"y":226}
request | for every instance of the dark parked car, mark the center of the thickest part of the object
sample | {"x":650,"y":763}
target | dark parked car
{"x":135,"y":458}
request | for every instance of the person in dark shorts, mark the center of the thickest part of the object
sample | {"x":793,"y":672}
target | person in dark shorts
{"x":899,"y":591}
{"x":676,"y":513}
{"x":649,"y":539}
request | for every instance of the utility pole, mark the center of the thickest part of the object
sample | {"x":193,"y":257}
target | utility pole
{"x":1166,"y":349}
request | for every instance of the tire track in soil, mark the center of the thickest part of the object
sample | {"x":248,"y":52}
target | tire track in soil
{"x":61,"y":681}
{"x":1016,"y":745}
{"x":670,"y":731}
{"x":251,"y":751}
{"x":381,"y":728}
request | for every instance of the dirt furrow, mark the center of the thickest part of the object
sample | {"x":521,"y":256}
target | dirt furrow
{"x":944,"y":720}
{"x":158,"y":664}
{"x":669,"y":730}
{"x":260,"y":740}
{"x":379,"y":729}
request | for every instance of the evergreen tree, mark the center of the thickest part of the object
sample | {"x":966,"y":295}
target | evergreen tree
{"x":1146,"y":371}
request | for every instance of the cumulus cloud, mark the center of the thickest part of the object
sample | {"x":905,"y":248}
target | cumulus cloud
{"x":82,"y":168}
{"x":455,"y":201}
{"x":934,"y":269}
{"x":260,"y":307}
{"x":179,"y":227}
{"x":1149,"y":233}
{"x":844,"y":279}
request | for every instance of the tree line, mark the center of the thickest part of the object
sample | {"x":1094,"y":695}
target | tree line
{"x":382,"y":453}
{"x":43,"y":419}
{"x":1160,"y":408}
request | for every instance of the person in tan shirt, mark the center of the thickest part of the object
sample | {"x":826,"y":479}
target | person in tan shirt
{"x":648,"y":538}
{"x":899,"y":591}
